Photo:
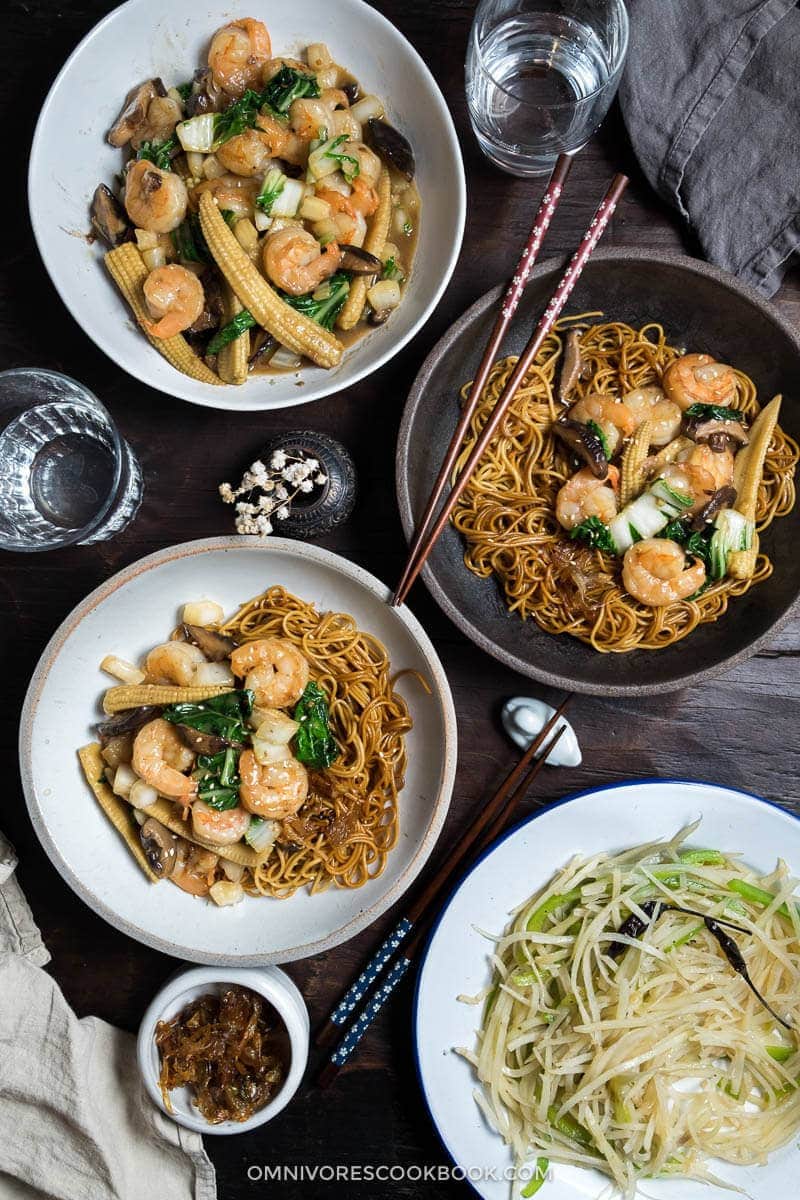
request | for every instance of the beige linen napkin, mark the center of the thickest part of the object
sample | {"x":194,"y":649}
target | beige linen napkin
{"x":75,"y":1121}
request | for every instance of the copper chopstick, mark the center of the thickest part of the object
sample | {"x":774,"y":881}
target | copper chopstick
{"x":491,"y":816}
{"x":508,"y":307}
{"x":361,"y":1024}
{"x":549,"y":317}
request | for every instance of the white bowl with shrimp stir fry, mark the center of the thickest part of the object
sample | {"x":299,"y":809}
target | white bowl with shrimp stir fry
{"x":228,"y":821}
{"x":276,"y":199}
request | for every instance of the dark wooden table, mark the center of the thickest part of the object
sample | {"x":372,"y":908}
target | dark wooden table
{"x":740,"y":730}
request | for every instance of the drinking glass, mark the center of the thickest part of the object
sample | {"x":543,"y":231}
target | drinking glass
{"x":66,"y":475}
{"x":540,"y":77}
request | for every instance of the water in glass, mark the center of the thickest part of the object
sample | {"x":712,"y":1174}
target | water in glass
{"x":540,"y":81}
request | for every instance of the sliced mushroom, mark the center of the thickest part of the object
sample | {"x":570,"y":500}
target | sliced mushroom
{"x":205,"y":95}
{"x":109,"y":217}
{"x":204,"y":743}
{"x":216,"y":646}
{"x":718,"y":434}
{"x":160,"y":847}
{"x":585,"y":444}
{"x":134,"y":111}
{"x":213,"y":305}
{"x":265,"y":348}
{"x":391,"y":146}
{"x":352,"y":91}
{"x":359,"y":262}
{"x":128,"y":721}
{"x":571,"y":365}
{"x":724,"y":497}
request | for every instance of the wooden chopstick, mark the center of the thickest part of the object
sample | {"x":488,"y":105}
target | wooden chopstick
{"x":361,"y":1024}
{"x":508,"y":307}
{"x":497,"y":808}
{"x":549,"y":317}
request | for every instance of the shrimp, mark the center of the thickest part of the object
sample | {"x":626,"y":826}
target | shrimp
{"x":294,"y":260}
{"x":584,"y":495}
{"x":155,"y":200}
{"x":690,"y":479}
{"x":276,"y":790}
{"x":234,"y":193}
{"x":160,"y":757}
{"x":360,"y":202}
{"x":616,"y":420}
{"x":175,"y":299}
{"x":282,"y":142}
{"x":173,"y":662}
{"x":222,"y":828}
{"x":310,"y":118}
{"x":698,"y":379}
{"x":249,"y":153}
{"x":718,"y":464}
{"x":654,"y":572}
{"x":650,"y":404}
{"x":274,"y":669}
{"x":369,"y":165}
{"x":194,"y":868}
{"x":237,"y":55}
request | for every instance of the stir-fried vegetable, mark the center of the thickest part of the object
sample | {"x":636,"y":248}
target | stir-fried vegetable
{"x":732,"y":532}
{"x":243,"y":321}
{"x":392,"y":271}
{"x":594,"y":533}
{"x":601,"y":437}
{"x":160,"y":153}
{"x":324,"y":304}
{"x":287,"y":86}
{"x":696,"y":543}
{"x":218,"y":779}
{"x":315,"y":745}
{"x":224,"y":717}
{"x":713,"y":412}
{"x":189,"y":242}
{"x":647,"y":515}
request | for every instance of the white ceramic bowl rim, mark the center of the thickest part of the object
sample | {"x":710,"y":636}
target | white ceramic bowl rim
{"x":365,"y":915}
{"x":276,"y":987}
{"x":225,"y":398}
{"x":490,"y":850}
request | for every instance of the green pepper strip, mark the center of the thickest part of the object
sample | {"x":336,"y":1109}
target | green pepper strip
{"x":684,"y":938}
{"x":539,"y":1177}
{"x":757,"y":895}
{"x":569,"y":1127}
{"x":703,"y":858}
{"x":781,"y":1053}
{"x":538,"y":917}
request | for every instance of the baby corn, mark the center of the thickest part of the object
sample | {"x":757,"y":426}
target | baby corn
{"x":633,"y":477}
{"x":288,"y":326}
{"x":373,"y":243}
{"x":748,"y":473}
{"x":127,"y":269}
{"x":232,"y":359}
{"x":117,"y":699}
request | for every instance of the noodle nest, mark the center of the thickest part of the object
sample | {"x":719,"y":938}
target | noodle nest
{"x":349,"y":821}
{"x":506,"y":513}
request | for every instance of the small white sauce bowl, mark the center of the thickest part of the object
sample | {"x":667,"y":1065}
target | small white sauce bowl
{"x":270,"y":982}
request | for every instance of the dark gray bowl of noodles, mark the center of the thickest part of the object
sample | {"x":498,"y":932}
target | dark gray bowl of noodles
{"x":701,"y":310}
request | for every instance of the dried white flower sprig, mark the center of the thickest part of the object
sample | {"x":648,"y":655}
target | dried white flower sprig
{"x":271,"y":490}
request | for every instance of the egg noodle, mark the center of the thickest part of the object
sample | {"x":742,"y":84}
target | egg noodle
{"x":349,"y":821}
{"x":643,"y":1053}
{"x":506,"y":514}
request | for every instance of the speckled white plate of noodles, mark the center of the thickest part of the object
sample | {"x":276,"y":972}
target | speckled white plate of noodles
{"x":147,"y":38}
{"x":456,"y":963}
{"x":135,"y":610}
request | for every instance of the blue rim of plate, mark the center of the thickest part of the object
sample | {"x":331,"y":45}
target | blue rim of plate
{"x":465,"y":875}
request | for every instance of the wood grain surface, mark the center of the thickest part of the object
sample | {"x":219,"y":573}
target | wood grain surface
{"x":740,"y":730}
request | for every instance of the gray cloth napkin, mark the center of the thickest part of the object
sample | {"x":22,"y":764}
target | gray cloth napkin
{"x":75,"y":1121}
{"x":711,"y":99}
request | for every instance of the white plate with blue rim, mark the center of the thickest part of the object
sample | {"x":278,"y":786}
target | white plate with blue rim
{"x":456,"y":963}
{"x":147,"y":38}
